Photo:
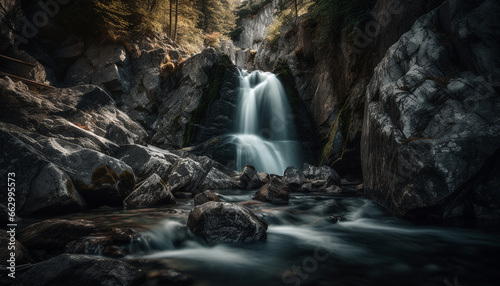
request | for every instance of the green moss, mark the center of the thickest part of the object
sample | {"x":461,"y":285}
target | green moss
{"x":126,"y":182}
{"x":284,"y":74}
{"x":210,"y":93}
{"x":345,"y":125}
{"x":104,"y":176}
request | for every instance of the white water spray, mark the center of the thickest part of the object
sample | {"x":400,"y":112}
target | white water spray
{"x":266,"y":133}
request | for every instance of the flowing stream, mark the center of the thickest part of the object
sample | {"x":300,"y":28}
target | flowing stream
{"x":367,"y":247}
{"x":265,"y":129}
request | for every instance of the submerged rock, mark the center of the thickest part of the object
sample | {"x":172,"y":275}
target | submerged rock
{"x":75,"y":269}
{"x":54,"y":234}
{"x":276,"y":192}
{"x":112,"y":242}
{"x":226,"y":222}
{"x":206,"y":196}
{"x":22,"y":253}
{"x":151,"y":192}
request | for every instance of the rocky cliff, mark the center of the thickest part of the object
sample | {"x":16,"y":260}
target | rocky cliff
{"x":430,"y":143}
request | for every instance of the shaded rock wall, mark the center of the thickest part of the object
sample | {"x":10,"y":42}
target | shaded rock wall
{"x":432,"y":116}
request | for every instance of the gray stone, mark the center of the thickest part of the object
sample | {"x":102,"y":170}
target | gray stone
{"x":151,"y":192}
{"x":225,"y":222}
{"x":54,"y":234}
{"x":75,"y":269}
{"x":146,"y":161}
{"x":276,"y":192}
{"x":428,"y":131}
{"x":294,"y":177}
{"x":206,"y":196}
{"x":186,"y":176}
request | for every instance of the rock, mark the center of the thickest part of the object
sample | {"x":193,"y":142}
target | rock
{"x":322,"y":179}
{"x":23,"y":256}
{"x":186,"y":176}
{"x":323,"y":173}
{"x":206,"y":196}
{"x":4,"y":214}
{"x":111,"y":242}
{"x":294,"y":177}
{"x":276,"y":192}
{"x":225,"y":222}
{"x":54,"y":234}
{"x":146,"y":161}
{"x":216,"y":179}
{"x":99,"y":178}
{"x":250,"y":178}
{"x":183,"y":195}
{"x":75,"y":269}
{"x":41,"y":186}
{"x":431,"y":134}
{"x":151,"y":192}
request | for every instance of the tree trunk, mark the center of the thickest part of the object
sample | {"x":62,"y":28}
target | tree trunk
{"x":176,"y":17}
{"x":296,"y":12}
{"x":170,"y":25}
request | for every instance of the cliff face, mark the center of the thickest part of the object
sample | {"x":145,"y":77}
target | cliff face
{"x":431,"y":140}
{"x":331,"y":80}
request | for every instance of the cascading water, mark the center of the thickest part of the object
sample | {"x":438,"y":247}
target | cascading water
{"x":266,"y":132}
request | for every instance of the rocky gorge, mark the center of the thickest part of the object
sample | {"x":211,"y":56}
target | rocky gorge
{"x":125,"y":161}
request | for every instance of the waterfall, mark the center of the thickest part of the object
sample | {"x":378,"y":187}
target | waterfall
{"x":266,"y":132}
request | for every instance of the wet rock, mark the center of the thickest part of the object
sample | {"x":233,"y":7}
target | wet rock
{"x":431,"y":133}
{"x":111,"y":242}
{"x":151,"y":192}
{"x":206,"y":196}
{"x":22,"y":253}
{"x":41,"y":186}
{"x":75,"y":269}
{"x":216,"y":179}
{"x":323,"y":173}
{"x":99,"y":178}
{"x":54,"y":234}
{"x":146,"y":161}
{"x":276,"y":192}
{"x":186,"y":176}
{"x":225,"y":222}
{"x":5,"y":217}
{"x":294,"y":177}
{"x":183,"y":195}
{"x":250,"y":178}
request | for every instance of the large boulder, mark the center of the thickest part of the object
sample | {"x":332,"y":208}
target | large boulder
{"x":41,"y":186}
{"x":151,"y":192}
{"x":276,"y":192}
{"x":186,"y":176}
{"x":431,"y":131}
{"x":54,"y":234}
{"x":75,"y":269}
{"x":146,"y":161}
{"x":225,"y":222}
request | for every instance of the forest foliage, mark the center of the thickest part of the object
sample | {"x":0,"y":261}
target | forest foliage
{"x":191,"y":23}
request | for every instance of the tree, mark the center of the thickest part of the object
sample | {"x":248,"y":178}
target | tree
{"x":176,"y":18}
